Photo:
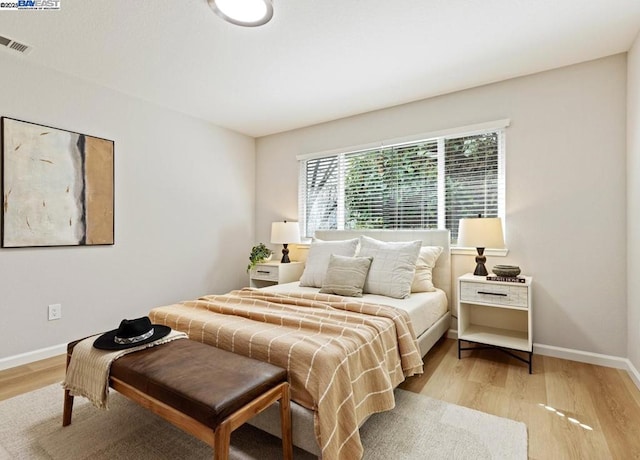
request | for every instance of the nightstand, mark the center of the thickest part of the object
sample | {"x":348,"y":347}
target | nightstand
{"x":496,"y":314}
{"x":271,"y":273}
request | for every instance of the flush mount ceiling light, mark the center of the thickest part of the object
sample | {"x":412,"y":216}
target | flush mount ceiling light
{"x":248,"y":13}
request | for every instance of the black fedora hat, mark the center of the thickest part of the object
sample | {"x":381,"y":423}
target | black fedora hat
{"x":131,"y":333}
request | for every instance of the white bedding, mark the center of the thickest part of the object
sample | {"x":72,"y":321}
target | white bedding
{"x":424,"y":308}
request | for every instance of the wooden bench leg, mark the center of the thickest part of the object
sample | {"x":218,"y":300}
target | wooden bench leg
{"x":68,"y":408}
{"x":222,"y":441}
{"x":285,"y":422}
{"x":68,"y":403}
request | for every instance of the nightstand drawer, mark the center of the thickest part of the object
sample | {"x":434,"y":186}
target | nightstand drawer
{"x":499,"y":294}
{"x":265,"y":272}
{"x":271,"y":273}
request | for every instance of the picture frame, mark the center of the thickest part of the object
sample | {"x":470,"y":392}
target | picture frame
{"x":57,"y":187}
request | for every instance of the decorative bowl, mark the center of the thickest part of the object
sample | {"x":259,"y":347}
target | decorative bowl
{"x":506,"y":270}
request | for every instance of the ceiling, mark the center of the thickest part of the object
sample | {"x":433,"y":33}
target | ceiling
{"x":316,"y":60}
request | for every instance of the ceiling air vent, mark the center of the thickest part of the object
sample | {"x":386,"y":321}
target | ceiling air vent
{"x":11,"y":44}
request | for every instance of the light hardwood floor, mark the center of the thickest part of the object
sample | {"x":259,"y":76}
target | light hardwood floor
{"x":29,"y":377}
{"x":572,"y":410}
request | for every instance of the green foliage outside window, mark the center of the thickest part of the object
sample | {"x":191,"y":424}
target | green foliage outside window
{"x":404,"y":187}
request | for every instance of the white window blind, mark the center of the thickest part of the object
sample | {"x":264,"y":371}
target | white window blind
{"x":320,"y":186}
{"x":428,"y":183}
{"x":474,"y":178}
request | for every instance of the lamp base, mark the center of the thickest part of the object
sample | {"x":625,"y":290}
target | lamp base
{"x":480,"y":270}
{"x":285,"y":255}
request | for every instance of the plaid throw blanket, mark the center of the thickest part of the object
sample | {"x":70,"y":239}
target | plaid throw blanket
{"x":88,"y":371}
{"x":344,"y":357}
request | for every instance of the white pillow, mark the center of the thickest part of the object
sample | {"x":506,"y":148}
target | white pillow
{"x":393,"y":266}
{"x":318,"y":259}
{"x":423,"y":279}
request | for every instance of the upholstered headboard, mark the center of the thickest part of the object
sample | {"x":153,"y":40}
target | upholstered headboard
{"x":442,"y":270}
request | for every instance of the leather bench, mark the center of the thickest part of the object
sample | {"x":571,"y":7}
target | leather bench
{"x":201,"y":389}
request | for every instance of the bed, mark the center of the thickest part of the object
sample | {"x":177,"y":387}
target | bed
{"x":389,"y":341}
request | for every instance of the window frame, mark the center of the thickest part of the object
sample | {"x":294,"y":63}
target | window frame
{"x":439,"y":136}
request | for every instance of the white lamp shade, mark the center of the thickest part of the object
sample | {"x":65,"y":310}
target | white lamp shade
{"x":285,"y":232}
{"x":481,"y":232}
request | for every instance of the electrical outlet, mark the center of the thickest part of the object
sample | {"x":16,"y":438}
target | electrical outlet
{"x":55,"y":311}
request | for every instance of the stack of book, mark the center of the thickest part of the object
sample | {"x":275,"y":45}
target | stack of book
{"x":510,"y":279}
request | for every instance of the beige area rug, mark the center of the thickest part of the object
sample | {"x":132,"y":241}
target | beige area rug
{"x":418,"y":428}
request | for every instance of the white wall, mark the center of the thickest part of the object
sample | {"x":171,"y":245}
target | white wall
{"x":633,"y":202}
{"x":565,"y":187}
{"x":184,"y":213}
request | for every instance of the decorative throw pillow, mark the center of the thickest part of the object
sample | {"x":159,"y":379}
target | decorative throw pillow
{"x":392,"y":268}
{"x":423,"y":279}
{"x":318,"y":259}
{"x":346,"y":275}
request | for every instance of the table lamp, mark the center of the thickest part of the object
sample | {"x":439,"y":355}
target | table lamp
{"x":285,"y":233}
{"x":481,"y":233}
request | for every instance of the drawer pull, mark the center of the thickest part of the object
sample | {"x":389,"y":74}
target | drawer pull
{"x":493,"y":293}
{"x":263,"y":271}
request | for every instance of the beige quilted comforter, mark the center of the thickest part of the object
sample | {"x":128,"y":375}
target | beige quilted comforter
{"x":343,"y":357}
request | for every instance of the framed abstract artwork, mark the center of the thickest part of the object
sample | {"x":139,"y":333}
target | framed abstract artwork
{"x":57,"y":187}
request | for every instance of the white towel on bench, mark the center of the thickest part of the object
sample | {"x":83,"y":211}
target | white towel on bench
{"x":88,"y":371}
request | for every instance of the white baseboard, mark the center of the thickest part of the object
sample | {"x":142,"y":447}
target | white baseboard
{"x":634,"y":374}
{"x":32,"y":356}
{"x":580,"y":356}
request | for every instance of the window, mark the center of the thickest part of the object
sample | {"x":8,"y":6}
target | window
{"x":419,"y":184}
